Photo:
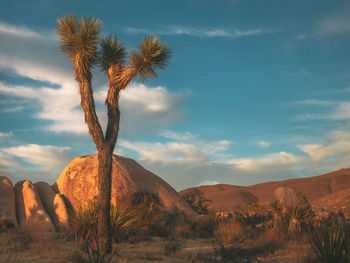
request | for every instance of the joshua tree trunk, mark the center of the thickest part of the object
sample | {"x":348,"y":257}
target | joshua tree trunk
{"x":103,"y":199}
{"x":105,"y":149}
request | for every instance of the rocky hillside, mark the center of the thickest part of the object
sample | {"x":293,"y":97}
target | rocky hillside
{"x":331,"y":191}
{"x":39,"y":206}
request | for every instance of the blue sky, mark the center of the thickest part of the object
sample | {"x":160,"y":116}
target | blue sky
{"x":256,"y":90}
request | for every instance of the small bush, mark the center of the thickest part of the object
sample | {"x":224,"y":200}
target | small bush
{"x":171,"y":247}
{"x":197,"y":201}
{"x":301,"y":219}
{"x":15,"y":240}
{"x":330,"y":242}
{"x":6,"y":224}
{"x":230,"y":232}
{"x":83,"y":225}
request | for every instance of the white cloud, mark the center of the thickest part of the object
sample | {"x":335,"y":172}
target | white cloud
{"x":47,"y":157}
{"x":339,"y":111}
{"x":317,"y":102}
{"x":264,"y":144}
{"x":201,"y":32}
{"x":273,"y":159}
{"x":334,"y":148}
{"x":208,"y":182}
{"x":5,"y":134}
{"x":143,"y":109}
{"x":18,"y":31}
{"x":7,"y":161}
{"x":182,"y":148}
{"x":13,"y":109}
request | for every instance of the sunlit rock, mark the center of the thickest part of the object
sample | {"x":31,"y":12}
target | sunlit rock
{"x":78,"y":183}
{"x":31,"y":214}
{"x":7,"y":201}
{"x":54,"y":205}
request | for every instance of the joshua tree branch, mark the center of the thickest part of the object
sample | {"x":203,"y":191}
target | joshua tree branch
{"x":88,"y":105}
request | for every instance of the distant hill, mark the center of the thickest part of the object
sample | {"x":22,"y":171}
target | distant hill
{"x":331,"y":191}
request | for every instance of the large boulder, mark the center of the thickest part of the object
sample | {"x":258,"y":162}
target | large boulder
{"x":290,"y":197}
{"x":31,"y":214}
{"x":54,"y":205}
{"x":7,"y":201}
{"x":78,"y":183}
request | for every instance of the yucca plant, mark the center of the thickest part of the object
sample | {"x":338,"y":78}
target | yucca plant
{"x":330,"y":242}
{"x":300,"y":218}
{"x":121,"y":218}
{"x":83,"y":225}
{"x":278,"y":222}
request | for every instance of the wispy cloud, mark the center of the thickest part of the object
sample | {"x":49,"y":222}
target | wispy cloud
{"x":264,"y":144}
{"x":273,"y":159}
{"x":182,"y":148}
{"x":47,"y":157}
{"x":317,"y":102}
{"x":336,"y":23}
{"x":201,"y":32}
{"x":5,"y":134}
{"x":18,"y":31}
{"x":337,"y":110}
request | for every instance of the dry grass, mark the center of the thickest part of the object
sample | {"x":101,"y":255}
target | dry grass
{"x":58,"y":249}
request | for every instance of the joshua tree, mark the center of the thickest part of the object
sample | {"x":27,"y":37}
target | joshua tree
{"x":82,"y":43}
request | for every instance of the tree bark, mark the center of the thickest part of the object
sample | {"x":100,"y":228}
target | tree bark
{"x":104,"y":202}
{"x":105,"y":155}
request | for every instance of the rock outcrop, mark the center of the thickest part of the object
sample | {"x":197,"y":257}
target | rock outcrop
{"x":54,"y":205}
{"x":31,"y":214}
{"x":78,"y":183}
{"x":290,"y":197}
{"x":7,"y":201}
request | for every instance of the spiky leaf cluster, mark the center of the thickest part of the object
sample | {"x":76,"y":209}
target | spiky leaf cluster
{"x":79,"y":39}
{"x":152,"y":54}
{"x":112,"y":52}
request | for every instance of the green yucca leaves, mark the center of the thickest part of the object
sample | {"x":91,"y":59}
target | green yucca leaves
{"x":83,"y":220}
{"x":121,"y":217}
{"x":78,"y":39}
{"x":330,"y":242}
{"x":112,"y":52}
{"x":300,"y":218}
{"x":81,"y":42}
{"x":153,"y":54}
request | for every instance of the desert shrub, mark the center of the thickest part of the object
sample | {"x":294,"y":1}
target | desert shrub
{"x":253,"y":216}
{"x":122,"y":217}
{"x":241,"y":239}
{"x":301,"y":219}
{"x":83,"y":225}
{"x":6,"y":225}
{"x":330,"y":241}
{"x":293,"y":220}
{"x":278,"y":220}
{"x":148,"y":206}
{"x":197,"y":201}
{"x":14,"y":240}
{"x":201,"y":258}
{"x":233,"y":254}
{"x":230,"y":232}
{"x":243,"y":249}
{"x":171,"y":247}
{"x":202,"y":226}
